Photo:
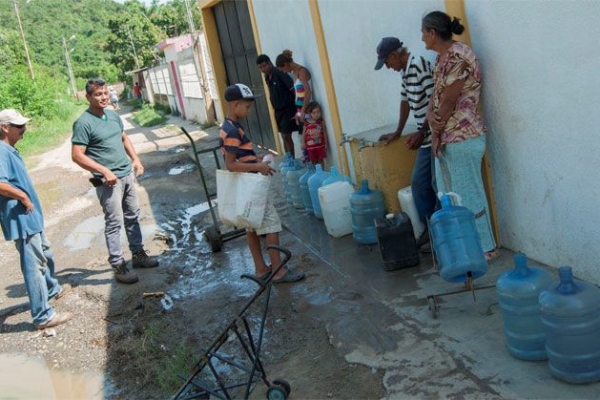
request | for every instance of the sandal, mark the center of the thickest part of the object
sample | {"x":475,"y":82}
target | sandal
{"x":290,"y":277}
{"x":492,"y":254}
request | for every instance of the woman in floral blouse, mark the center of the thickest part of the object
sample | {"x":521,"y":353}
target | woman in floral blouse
{"x":458,"y":131}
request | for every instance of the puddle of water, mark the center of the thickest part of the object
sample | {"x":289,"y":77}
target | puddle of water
{"x":23,"y":377}
{"x":181,"y":169}
{"x":82,"y":235}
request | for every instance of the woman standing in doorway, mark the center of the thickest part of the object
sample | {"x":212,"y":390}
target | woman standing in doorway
{"x":301,"y":76}
{"x":454,"y":116}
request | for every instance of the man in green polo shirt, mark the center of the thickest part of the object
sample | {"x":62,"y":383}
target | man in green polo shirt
{"x":100,"y":145}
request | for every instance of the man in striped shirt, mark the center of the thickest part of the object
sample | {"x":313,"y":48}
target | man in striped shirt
{"x":417,"y":86}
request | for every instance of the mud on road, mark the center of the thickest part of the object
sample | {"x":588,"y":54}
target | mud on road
{"x":140,"y":347}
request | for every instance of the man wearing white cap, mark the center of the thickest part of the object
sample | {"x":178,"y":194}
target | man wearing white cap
{"x":22,"y":221}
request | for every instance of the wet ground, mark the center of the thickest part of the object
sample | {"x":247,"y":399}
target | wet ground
{"x":349,"y":330}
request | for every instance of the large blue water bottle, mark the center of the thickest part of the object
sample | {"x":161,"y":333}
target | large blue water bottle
{"x":456,"y":243}
{"x":286,"y":164}
{"x":571,"y":319}
{"x":314,"y":183}
{"x":293,"y":178}
{"x":335,"y":176}
{"x":518,"y":294}
{"x":310,"y":170}
{"x":366,"y":206}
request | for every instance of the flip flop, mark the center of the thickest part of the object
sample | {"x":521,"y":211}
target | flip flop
{"x":263,"y":277}
{"x":290,"y":277}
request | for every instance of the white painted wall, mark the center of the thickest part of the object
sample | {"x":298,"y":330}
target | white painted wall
{"x":541,"y":99}
{"x":366,"y":98}
{"x":541,"y":80}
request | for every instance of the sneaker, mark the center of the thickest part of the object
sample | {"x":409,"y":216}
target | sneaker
{"x":56,"y":320}
{"x":123,"y":274}
{"x":142,"y":260}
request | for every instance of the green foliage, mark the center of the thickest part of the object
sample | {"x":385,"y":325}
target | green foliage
{"x":148,"y":116}
{"x":95,"y":34}
{"x":45,"y":133}
{"x":37,"y":98}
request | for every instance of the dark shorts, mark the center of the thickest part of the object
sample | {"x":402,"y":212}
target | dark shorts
{"x":285,"y":120}
{"x":317,"y":154}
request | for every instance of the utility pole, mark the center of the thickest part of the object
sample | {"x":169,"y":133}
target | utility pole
{"x":137,"y":63}
{"x":68,"y":59}
{"x":24,"y":41}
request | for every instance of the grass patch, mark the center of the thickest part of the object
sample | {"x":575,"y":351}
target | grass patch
{"x":148,"y":116}
{"x":42,"y":135}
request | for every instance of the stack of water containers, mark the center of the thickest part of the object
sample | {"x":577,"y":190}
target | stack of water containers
{"x":334,"y":198}
{"x":456,"y":242}
{"x":366,"y":206}
{"x":558,"y":322}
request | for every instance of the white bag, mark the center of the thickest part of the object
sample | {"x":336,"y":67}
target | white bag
{"x":242,"y":198}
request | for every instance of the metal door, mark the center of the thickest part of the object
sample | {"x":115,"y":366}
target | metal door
{"x":239,"y":55}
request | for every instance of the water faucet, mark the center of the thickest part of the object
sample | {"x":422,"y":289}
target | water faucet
{"x":363,"y":143}
{"x":344,"y":139}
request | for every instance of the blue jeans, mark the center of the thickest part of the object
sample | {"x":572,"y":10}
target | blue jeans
{"x":120,"y":206}
{"x":37,"y":266}
{"x":423,"y":184}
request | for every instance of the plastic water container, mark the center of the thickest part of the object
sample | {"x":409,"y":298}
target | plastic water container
{"x":366,"y":206}
{"x":335,"y":205}
{"x":293,"y":178}
{"x":286,"y":164}
{"x":397,"y":242}
{"x":407,"y":203}
{"x":303,"y":181}
{"x":335,"y":176}
{"x":571,"y":319}
{"x":456,"y":243}
{"x":314,"y":183}
{"x":518,"y":294}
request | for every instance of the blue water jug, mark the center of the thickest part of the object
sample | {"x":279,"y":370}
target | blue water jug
{"x":366,"y":206}
{"x":286,"y":164}
{"x":571,"y":320}
{"x":456,"y":242}
{"x":314,"y":183}
{"x":518,"y":294}
{"x":310,"y":170}
{"x":336,"y":176}
{"x":293,"y":179}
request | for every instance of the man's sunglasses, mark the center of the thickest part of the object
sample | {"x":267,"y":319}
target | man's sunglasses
{"x":17,"y":126}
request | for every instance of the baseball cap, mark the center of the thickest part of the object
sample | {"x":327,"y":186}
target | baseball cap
{"x":238,"y":91}
{"x":385,"y":48}
{"x":12,"y":116}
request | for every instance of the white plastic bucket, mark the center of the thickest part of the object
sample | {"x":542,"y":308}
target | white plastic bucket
{"x":407,"y":204}
{"x":335,"y":206}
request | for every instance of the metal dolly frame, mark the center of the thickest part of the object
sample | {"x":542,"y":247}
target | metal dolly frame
{"x":213,"y":234}
{"x":197,"y":387}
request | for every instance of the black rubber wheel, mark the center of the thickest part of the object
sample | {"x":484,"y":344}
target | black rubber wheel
{"x":284,"y":384}
{"x":432,"y":307}
{"x":276,"y":392}
{"x":213,"y":237}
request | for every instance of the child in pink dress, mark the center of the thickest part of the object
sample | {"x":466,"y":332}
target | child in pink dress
{"x":315,"y":137}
